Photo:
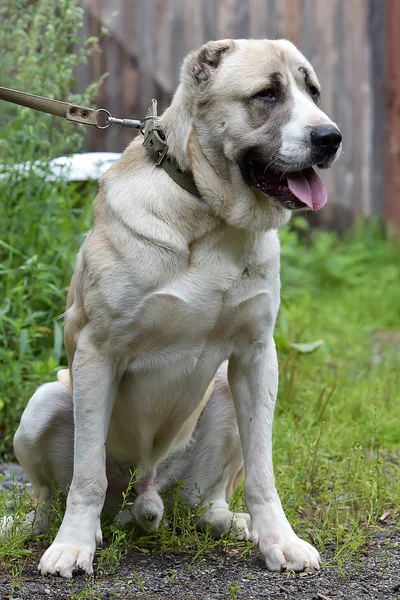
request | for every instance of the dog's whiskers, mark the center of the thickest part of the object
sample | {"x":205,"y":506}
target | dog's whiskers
{"x":273,"y":161}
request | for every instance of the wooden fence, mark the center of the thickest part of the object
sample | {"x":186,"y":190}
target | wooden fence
{"x":346,"y":41}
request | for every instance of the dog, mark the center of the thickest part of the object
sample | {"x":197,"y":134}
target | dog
{"x":171,"y":312}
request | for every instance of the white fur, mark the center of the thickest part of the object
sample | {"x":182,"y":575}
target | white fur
{"x":167,"y":288}
{"x":305,"y":114}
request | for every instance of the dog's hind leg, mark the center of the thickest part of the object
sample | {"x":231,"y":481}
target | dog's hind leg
{"x":43,"y":445}
{"x":215,"y":465}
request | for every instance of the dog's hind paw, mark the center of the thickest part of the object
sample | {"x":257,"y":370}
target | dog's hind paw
{"x":223,"y":521}
{"x":240,"y":526}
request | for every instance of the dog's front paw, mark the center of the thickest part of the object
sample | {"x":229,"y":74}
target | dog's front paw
{"x":62,"y":559}
{"x":289,"y":553}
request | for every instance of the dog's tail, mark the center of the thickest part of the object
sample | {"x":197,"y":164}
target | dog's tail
{"x":64,"y":378}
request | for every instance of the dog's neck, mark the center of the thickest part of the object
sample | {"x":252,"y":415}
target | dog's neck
{"x":183,"y":145}
{"x":230,"y":198}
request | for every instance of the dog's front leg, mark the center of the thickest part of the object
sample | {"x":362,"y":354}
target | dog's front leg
{"x":253,"y":378}
{"x":94,"y":389}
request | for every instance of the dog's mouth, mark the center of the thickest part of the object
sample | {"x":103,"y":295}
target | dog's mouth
{"x":295,"y":190}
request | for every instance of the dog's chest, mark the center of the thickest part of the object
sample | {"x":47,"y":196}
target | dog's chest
{"x":186,"y":311}
{"x":201,"y":307}
{"x":178,"y":336}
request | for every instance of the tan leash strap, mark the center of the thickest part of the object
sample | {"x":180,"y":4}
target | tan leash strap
{"x":99,"y":117}
{"x":67,"y":110}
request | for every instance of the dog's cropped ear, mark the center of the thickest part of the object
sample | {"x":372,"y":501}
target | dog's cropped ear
{"x":202,"y":63}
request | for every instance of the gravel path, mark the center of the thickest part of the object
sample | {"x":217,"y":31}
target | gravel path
{"x":217,"y":576}
{"x":375,"y":576}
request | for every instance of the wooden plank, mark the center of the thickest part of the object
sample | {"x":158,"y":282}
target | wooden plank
{"x":126,"y":30}
{"x":393,"y":115}
{"x":356,"y":30}
{"x":228,"y":14}
{"x":377,"y":38}
{"x":145,"y":34}
{"x":82,"y":72}
{"x":193,"y":16}
{"x":112,"y":89}
{"x":97,"y":140}
{"x":242,"y":25}
{"x":210,"y":20}
{"x":271,"y":23}
{"x":279,"y":20}
{"x":308,"y":34}
{"x":258,"y":18}
{"x":364,"y":52}
{"x":342,"y":212}
{"x":162,"y":19}
{"x":129,"y":69}
{"x":178,"y":37}
{"x":291,"y":20}
{"x":323,"y":22}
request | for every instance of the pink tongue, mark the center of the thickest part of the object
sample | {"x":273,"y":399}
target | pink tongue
{"x":308,"y":187}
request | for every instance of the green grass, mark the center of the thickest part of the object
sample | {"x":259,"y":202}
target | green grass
{"x":337,"y":428}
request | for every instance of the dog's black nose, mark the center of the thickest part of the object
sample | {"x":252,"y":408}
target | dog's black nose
{"x":326,"y":139}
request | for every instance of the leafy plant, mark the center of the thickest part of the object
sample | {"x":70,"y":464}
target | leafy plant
{"x":40,"y":48}
{"x":233,"y":589}
{"x":41,"y":221}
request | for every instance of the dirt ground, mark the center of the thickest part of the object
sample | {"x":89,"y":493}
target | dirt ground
{"x":375,"y":575}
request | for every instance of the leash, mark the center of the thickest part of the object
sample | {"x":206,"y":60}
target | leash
{"x":154,"y":139}
{"x":100,"y":117}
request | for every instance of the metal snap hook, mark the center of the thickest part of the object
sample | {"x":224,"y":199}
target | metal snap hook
{"x":107,"y":114}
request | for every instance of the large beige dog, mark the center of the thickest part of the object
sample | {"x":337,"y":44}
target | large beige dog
{"x":171,"y":312}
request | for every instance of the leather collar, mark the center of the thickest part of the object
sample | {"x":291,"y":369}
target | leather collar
{"x":157,"y":148}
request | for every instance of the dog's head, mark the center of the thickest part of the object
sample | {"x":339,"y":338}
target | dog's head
{"x":256,"y":131}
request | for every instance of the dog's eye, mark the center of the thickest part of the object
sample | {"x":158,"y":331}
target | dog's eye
{"x":268,"y":95}
{"x":314,"y":92}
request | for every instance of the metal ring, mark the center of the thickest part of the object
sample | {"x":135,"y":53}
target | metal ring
{"x":108,"y":114}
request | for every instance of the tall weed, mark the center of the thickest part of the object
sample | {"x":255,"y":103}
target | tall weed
{"x":41,"y":222}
